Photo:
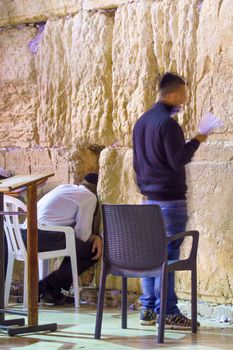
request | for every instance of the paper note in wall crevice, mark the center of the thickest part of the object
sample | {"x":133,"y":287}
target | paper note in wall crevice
{"x":208,"y":123}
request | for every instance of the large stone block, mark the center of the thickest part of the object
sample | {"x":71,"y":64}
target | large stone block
{"x":210,"y":202}
{"x":134,"y":67}
{"x":74,"y":64}
{"x":102,"y":4}
{"x":38,"y":161}
{"x":214,"y":151}
{"x":24,"y":11}
{"x":17,"y":160}
{"x":45,"y":161}
{"x":81,"y":162}
{"x":18,"y":88}
{"x":67,"y":166}
{"x":175,"y":24}
{"x":215,"y":63}
{"x":117,"y":181}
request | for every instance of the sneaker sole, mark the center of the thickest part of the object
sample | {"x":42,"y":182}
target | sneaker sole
{"x":46,"y":303}
{"x":147,"y":323}
{"x":174,"y":327}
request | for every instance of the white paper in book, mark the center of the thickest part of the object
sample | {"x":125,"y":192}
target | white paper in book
{"x":208,"y":123}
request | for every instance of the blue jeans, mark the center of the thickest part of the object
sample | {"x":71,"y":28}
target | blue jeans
{"x":175,"y":218}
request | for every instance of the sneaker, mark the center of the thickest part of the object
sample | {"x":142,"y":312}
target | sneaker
{"x":50,"y":299}
{"x":147,"y":317}
{"x":177,"y":322}
{"x":47,"y":298}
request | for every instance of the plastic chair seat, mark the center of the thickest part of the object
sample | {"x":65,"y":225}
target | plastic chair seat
{"x":17,"y":250}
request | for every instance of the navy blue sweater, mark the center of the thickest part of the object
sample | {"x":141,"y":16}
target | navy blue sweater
{"x":160,"y":154}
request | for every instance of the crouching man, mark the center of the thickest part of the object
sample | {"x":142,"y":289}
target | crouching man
{"x":68,"y":205}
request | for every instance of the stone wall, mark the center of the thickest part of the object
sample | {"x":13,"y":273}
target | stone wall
{"x":29,"y":11}
{"x":94,"y":74}
{"x":18,"y":88}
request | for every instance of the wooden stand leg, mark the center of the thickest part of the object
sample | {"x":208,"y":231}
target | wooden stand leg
{"x":32,"y":249}
{"x":15,"y":327}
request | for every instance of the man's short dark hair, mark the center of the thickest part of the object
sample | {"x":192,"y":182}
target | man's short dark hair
{"x":170,"y":82}
{"x":92,"y":178}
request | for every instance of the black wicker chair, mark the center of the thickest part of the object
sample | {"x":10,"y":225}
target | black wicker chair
{"x":135,"y":245}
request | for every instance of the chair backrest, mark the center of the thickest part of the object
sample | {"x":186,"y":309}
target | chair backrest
{"x":134,"y":236}
{"x":12,"y":226}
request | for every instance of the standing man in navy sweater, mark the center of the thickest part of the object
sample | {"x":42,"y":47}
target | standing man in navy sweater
{"x":160,"y":155}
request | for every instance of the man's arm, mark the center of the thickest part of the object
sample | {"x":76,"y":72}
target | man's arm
{"x":84,"y":218}
{"x":97,"y":246}
{"x":178,"y":152}
{"x":200,"y":138}
{"x":96,"y":221}
{"x":83,"y":227}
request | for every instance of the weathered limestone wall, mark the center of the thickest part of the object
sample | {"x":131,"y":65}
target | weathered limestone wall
{"x":214,"y":68}
{"x":29,"y":11}
{"x":210,"y":175}
{"x":74,"y":81}
{"x":99,"y":4}
{"x":94,"y":74}
{"x":134,"y":67}
{"x":18,"y":88}
{"x":67,"y":165}
{"x":175,"y":26}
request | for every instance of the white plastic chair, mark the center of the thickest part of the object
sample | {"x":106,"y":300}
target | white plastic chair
{"x":17,"y":251}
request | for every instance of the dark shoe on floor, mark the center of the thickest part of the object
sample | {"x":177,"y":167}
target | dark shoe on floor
{"x":69,"y":300}
{"x":49,"y":299}
{"x":177,"y":322}
{"x":147,"y":317}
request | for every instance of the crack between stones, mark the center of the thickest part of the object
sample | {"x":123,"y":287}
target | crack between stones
{"x":219,"y":6}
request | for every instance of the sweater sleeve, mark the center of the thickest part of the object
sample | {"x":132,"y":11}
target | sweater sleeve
{"x":84,"y":218}
{"x":178,"y":152}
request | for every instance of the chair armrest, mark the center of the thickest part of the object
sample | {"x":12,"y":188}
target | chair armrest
{"x":65,"y":229}
{"x":194,"y":235}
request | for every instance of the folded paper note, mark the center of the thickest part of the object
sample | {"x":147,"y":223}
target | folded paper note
{"x":208,"y":123}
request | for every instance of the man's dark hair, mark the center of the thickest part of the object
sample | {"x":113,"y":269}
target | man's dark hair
{"x":92,"y":178}
{"x":90,"y":182}
{"x":170,"y":82}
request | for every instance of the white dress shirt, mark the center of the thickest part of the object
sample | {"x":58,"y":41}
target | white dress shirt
{"x":68,"y":205}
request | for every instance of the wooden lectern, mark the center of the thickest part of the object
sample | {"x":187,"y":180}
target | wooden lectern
{"x":17,"y":326}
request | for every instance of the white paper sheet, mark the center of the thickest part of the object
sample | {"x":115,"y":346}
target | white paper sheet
{"x":208,"y":123}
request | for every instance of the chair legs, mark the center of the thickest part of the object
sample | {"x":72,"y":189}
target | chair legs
{"x":8,"y":281}
{"x":194,"y":298}
{"x":75,"y":280}
{"x":124,"y":303}
{"x":25,"y":286}
{"x":43,"y":269}
{"x":162,"y":314}
{"x":9,"y":272}
{"x":100,"y":305}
